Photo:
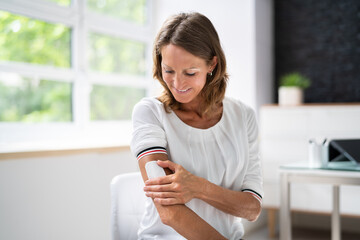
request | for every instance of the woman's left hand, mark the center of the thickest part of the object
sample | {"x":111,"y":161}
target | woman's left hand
{"x":177,"y":188}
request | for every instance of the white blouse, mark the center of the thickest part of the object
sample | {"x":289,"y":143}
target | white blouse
{"x":225,"y":154}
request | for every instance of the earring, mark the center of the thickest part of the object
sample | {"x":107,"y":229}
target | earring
{"x":210,"y":73}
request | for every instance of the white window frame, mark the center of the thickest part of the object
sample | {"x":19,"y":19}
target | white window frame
{"x":81,"y":132}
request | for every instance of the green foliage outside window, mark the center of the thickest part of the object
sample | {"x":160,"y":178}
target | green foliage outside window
{"x":110,"y":54}
{"x":28,"y":40}
{"x":131,"y":10}
{"x":35,"y":101}
{"x":113,"y":103}
{"x":32,"y":41}
{"x":61,"y":2}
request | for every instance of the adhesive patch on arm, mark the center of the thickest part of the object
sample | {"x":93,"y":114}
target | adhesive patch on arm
{"x":153,"y":170}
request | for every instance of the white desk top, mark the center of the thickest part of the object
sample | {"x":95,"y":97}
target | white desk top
{"x":304,"y":168}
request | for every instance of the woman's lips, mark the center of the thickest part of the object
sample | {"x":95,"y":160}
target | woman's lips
{"x":182,"y":91}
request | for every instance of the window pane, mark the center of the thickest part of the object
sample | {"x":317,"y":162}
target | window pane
{"x":130,"y":10}
{"x":28,"y":40}
{"x":61,"y":2}
{"x":114,"y":103}
{"x":110,"y":54}
{"x":29,"y":100}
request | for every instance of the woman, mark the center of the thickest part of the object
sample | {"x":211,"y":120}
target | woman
{"x":207,"y":143}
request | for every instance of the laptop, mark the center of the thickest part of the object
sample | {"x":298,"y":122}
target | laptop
{"x":344,"y":154}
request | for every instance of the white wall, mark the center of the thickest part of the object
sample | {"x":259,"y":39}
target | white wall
{"x":59,"y":198}
{"x":264,"y":52}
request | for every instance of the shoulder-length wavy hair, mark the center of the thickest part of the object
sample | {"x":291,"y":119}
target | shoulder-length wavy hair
{"x":196,"y":34}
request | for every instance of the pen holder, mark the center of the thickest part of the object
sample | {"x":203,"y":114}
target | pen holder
{"x":325,"y":155}
{"x":318,"y":154}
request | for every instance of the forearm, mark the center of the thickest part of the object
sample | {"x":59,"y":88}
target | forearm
{"x":240,"y":204}
{"x":186,"y":222}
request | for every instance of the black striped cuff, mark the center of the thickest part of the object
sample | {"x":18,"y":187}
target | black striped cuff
{"x":149,"y":151}
{"x":255,"y":194}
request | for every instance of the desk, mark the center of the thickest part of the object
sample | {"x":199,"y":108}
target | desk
{"x":301,"y":173}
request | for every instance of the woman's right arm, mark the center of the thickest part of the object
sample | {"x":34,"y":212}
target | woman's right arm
{"x":181,"y":218}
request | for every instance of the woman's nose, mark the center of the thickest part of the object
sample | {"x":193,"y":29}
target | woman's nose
{"x":178,"y":81}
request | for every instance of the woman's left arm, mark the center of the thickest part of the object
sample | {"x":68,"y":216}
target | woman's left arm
{"x":240,"y":204}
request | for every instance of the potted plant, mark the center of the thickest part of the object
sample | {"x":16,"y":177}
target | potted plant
{"x":291,"y":89}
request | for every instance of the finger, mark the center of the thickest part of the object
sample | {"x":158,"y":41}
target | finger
{"x":159,"y":188}
{"x":160,"y":194}
{"x":167,"y":201}
{"x":167,"y":164}
{"x":158,"y":180}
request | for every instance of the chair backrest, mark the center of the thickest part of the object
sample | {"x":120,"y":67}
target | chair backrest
{"x":127,"y":205}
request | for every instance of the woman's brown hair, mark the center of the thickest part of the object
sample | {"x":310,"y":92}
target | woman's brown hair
{"x":196,"y":34}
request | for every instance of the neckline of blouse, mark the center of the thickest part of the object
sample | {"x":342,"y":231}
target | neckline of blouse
{"x":217,"y":125}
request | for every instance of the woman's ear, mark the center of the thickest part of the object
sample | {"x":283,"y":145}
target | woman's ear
{"x":213,"y":63}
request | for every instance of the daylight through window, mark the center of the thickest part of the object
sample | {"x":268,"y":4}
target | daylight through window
{"x":80,"y":61}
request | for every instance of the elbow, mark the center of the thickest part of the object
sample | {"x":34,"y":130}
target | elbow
{"x":251,"y":212}
{"x":165,"y":219}
{"x":253,"y":217}
{"x":168,"y":215}
{"x":254,"y":212}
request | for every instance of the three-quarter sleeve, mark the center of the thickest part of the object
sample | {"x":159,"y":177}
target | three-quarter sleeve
{"x":253,"y":179}
{"x":148,"y":134}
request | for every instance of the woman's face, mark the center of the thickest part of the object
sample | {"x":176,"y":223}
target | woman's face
{"x":184,"y":73}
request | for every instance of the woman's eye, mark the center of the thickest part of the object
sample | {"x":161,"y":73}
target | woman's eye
{"x":168,"y":71}
{"x":190,"y":74}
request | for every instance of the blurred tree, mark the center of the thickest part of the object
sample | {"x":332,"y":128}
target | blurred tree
{"x":29,"y":40}
{"x":35,"y":101}
{"x":61,"y":2}
{"x":32,"y":41}
{"x":130,"y":10}
{"x":110,"y":54}
{"x":113,"y":103}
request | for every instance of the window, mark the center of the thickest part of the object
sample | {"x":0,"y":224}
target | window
{"x":30,"y":40}
{"x":110,"y":54}
{"x":81,"y":64}
{"x":131,"y":10}
{"x":34,"y":100}
{"x":30,"y":98}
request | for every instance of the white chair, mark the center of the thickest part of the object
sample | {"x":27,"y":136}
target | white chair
{"x":127,"y":205}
